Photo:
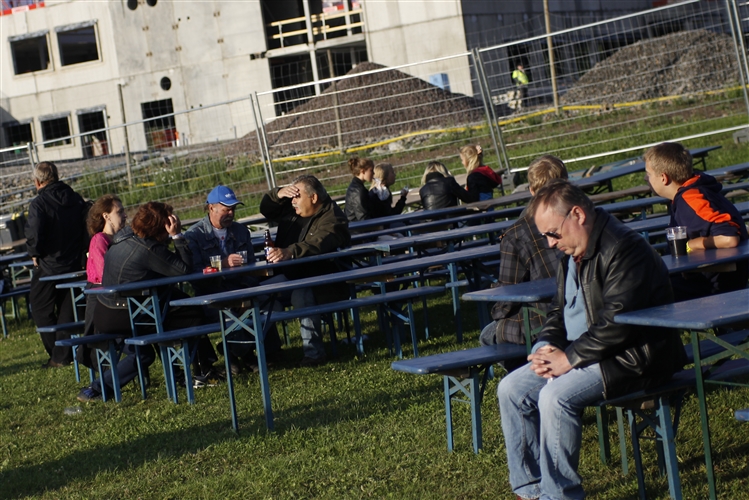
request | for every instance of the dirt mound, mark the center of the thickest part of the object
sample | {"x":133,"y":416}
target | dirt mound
{"x":370,"y":108}
{"x":675,"y":64}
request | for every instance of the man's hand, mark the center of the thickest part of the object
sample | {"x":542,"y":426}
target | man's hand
{"x":233,"y":260}
{"x":549,"y":362}
{"x":278,"y":254}
{"x":35,"y":261}
{"x":288,"y":192}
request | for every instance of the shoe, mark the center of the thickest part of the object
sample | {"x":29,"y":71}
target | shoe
{"x":307,"y":361}
{"x":200,"y":381}
{"x":53,"y":364}
{"x":88,"y":394}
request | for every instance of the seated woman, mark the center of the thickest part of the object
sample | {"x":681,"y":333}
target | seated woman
{"x":439,"y":189}
{"x":380,"y":195}
{"x":105,"y":219}
{"x":358,"y":205}
{"x":481,"y":180}
{"x":140,"y":253}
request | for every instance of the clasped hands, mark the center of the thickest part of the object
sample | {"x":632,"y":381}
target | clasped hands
{"x":549,"y":362}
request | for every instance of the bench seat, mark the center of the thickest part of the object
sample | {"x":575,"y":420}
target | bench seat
{"x":62,"y":327}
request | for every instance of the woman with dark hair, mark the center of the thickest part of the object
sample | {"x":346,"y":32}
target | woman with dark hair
{"x":140,"y":253}
{"x":105,"y":218}
{"x":358,"y":205}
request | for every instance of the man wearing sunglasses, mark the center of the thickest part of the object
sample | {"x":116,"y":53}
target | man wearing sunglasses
{"x":581,"y":355}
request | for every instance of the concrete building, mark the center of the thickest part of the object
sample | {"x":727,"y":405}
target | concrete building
{"x":74,"y":67}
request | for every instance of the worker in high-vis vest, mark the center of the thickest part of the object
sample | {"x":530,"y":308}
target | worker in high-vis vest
{"x":521,"y":81}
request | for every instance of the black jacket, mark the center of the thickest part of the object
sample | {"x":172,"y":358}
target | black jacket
{"x":385,"y":208}
{"x":619,"y":272}
{"x":324,"y":232}
{"x":358,"y":203}
{"x":442,"y":192}
{"x":131,"y":258}
{"x":55,"y":229}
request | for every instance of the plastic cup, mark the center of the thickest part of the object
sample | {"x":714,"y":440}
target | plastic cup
{"x":243,"y":254}
{"x":216,"y":262}
{"x":677,"y":240}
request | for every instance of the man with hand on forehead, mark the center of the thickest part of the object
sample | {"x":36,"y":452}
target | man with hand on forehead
{"x":581,"y":355}
{"x":309,"y":223}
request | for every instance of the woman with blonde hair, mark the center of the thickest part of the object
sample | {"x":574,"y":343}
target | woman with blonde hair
{"x":481,"y":180}
{"x":439,"y":189}
{"x":380,"y":196}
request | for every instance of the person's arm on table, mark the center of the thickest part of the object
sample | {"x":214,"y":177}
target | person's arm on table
{"x":706,"y":242}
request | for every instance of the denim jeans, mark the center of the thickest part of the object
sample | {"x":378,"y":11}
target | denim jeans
{"x":310,"y":326}
{"x":542,"y":425}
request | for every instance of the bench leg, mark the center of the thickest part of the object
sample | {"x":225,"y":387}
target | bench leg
{"x":469,"y":387}
{"x":448,"y":412}
{"x":412,"y":325}
{"x":666,"y":432}
{"x":622,"y":441}
{"x":635,"y":436}
{"x":2,"y":320}
{"x":604,"y":448}
{"x":453,"y":268}
{"x":76,"y":367}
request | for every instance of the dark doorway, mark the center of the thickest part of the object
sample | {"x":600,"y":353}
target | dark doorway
{"x":93,"y":144}
{"x":161,"y":132}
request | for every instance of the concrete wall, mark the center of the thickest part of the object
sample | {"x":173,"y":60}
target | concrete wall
{"x":409,"y":32}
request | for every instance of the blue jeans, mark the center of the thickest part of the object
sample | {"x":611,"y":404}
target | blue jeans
{"x":542,"y":425}
{"x":309,"y":326}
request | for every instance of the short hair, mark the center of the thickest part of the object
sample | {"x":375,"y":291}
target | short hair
{"x":151,"y":219}
{"x":560,"y":196}
{"x":543,"y":169}
{"x":670,"y":158}
{"x":46,"y":172}
{"x":104,"y":205}
{"x":358,"y":165}
{"x":311,"y":186}
{"x":432,"y":167}
{"x":473,"y":155}
{"x":382,"y":170}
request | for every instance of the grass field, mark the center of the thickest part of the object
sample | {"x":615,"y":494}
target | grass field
{"x":349,"y":429}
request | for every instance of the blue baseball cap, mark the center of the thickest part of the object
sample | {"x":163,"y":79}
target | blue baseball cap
{"x":223,"y":195}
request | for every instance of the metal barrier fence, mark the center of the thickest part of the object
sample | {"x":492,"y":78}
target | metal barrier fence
{"x":608,"y":87}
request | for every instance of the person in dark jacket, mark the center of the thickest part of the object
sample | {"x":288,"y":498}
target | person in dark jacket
{"x":358,"y":204}
{"x":309,"y":223}
{"x":439,"y":189}
{"x":711,"y":220}
{"x":482,"y":180}
{"x":138,"y":253}
{"x":525,"y":256}
{"x":380,"y":196}
{"x":582,"y":355}
{"x":56,"y":241}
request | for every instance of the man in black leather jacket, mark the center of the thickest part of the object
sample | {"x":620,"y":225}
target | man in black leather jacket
{"x":56,"y":242}
{"x":582,"y":355}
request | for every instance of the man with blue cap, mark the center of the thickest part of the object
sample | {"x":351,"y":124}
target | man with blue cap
{"x":218,"y":234}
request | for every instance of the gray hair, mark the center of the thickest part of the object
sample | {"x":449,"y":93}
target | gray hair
{"x":46,"y":172}
{"x":311,"y":186}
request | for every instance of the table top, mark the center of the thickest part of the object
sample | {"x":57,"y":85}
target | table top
{"x":4,"y":259}
{"x":529,"y":291}
{"x":401,"y":267}
{"x":697,"y":314}
{"x":700,"y":259}
{"x":65,"y":276}
{"x":72,"y":284}
{"x":25,"y":263}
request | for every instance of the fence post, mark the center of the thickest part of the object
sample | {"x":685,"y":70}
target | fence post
{"x":29,"y":150}
{"x":550,"y":47}
{"x":260,"y":144}
{"x":738,"y":41}
{"x":265,"y":144}
{"x":127,"y":141}
{"x":335,"y":102}
{"x":489,"y":110}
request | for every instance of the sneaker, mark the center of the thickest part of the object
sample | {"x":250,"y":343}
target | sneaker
{"x":200,"y":381}
{"x":307,"y":361}
{"x":88,"y":394}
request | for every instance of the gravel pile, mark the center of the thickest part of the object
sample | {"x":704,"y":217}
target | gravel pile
{"x":370,"y":108}
{"x":675,"y":64}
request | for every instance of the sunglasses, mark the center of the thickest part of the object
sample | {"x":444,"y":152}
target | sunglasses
{"x":555,"y":235}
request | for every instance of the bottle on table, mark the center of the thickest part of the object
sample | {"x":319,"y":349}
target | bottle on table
{"x":267,"y":243}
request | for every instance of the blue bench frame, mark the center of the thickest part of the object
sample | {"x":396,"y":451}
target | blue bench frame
{"x":12,"y":294}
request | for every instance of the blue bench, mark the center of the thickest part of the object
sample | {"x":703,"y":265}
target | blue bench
{"x":74,"y":326}
{"x":179,"y":354}
{"x":465,"y":373}
{"x":13,"y":294}
{"x":104,"y":357}
{"x":397,"y":317}
{"x":743,"y":415}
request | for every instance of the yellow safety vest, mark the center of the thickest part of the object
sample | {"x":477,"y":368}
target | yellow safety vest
{"x":519,"y":77}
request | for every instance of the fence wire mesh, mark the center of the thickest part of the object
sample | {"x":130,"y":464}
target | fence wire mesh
{"x":617,"y":84}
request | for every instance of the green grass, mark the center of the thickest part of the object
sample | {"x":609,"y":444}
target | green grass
{"x":349,"y":429}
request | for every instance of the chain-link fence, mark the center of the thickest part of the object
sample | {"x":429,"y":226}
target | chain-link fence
{"x":611,"y":86}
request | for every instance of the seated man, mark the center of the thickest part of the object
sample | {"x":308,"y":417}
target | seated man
{"x":525,"y":257}
{"x":218,"y":234}
{"x":711,"y":220}
{"x":581,"y":355}
{"x":309,"y":223}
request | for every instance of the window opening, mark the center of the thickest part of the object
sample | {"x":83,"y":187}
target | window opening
{"x":56,"y":128}
{"x":30,"y":54}
{"x":78,"y":45}
{"x":161,"y":131}
{"x":93,"y":144}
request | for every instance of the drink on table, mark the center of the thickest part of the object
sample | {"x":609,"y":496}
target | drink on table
{"x":677,"y":240}
{"x":216,"y":262}
{"x":267,"y":243}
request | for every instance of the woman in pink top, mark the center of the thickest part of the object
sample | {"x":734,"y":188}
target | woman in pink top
{"x":105,"y":218}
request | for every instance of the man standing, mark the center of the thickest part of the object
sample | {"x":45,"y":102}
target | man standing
{"x":56,"y":241}
{"x":521,"y":84}
{"x":711,"y":220}
{"x":581,"y":355}
{"x":525,"y":257}
{"x":218,"y":234}
{"x":309,"y":223}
